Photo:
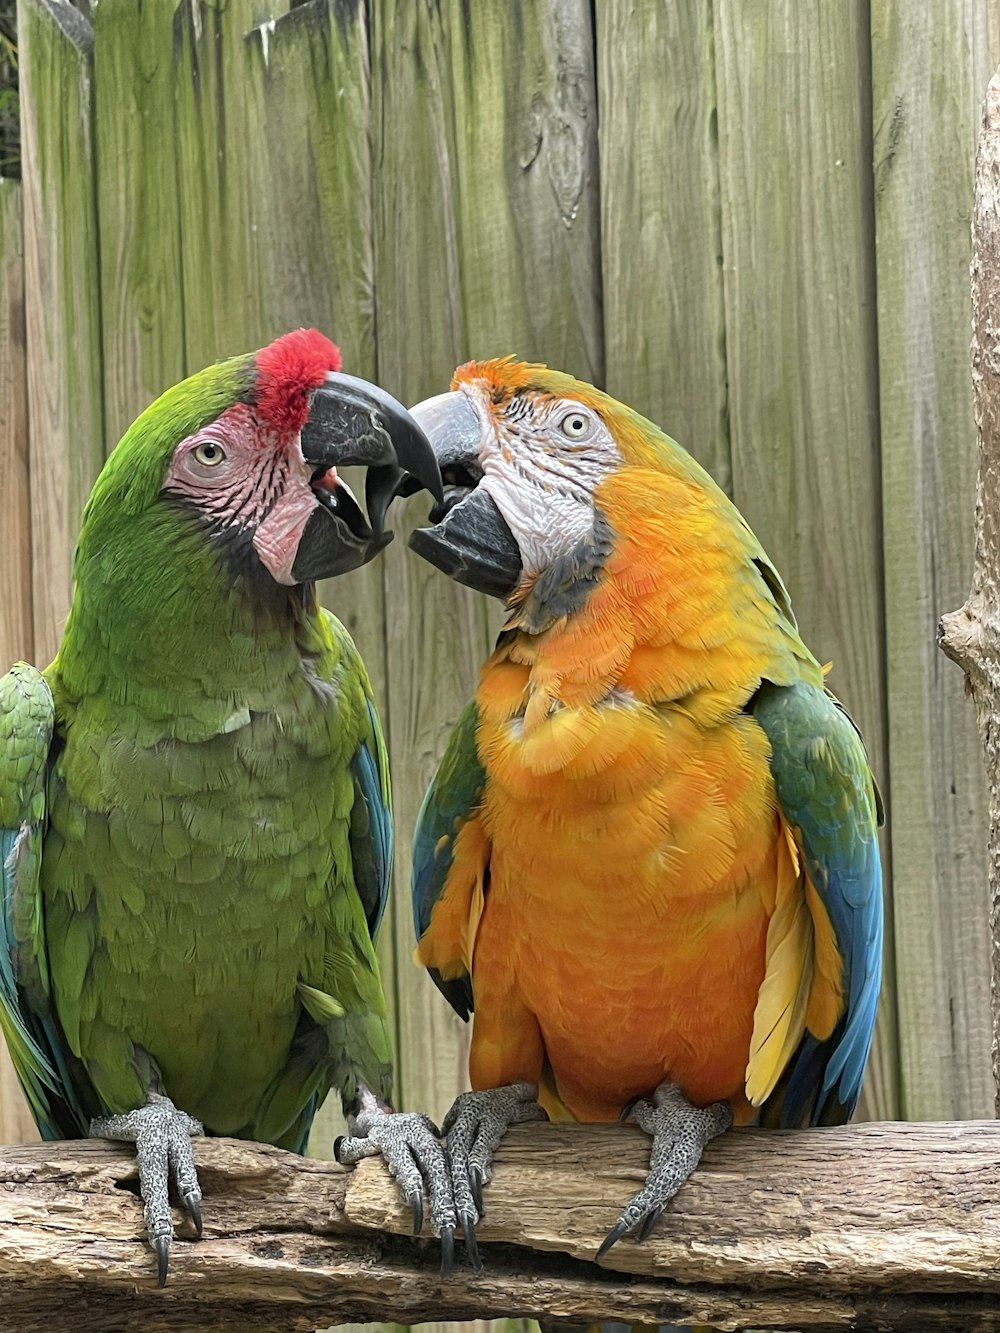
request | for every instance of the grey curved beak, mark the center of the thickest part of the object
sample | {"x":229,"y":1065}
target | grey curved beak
{"x":354,"y":422}
{"x":469,"y":539}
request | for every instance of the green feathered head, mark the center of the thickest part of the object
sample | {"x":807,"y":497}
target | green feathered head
{"x":247,"y":451}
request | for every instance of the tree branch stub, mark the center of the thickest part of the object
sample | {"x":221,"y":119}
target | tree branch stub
{"x":971,"y":635}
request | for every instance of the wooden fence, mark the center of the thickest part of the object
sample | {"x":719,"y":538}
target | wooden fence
{"x":748,"y":218}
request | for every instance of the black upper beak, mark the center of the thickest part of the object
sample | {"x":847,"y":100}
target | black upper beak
{"x":354,"y":423}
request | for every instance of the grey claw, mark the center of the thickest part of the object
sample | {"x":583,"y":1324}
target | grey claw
{"x":680,"y":1132}
{"x":447,"y":1250}
{"x":162,"y":1247}
{"x":415,"y":1155}
{"x":162,"y":1136}
{"x":476,"y":1124}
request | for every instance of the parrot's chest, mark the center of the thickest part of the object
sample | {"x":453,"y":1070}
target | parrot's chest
{"x":185,"y":888}
{"x":631,"y":888}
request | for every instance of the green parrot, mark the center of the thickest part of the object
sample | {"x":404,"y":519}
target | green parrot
{"x":195,"y":823}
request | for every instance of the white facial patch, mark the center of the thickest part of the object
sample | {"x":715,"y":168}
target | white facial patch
{"x":542,"y":477}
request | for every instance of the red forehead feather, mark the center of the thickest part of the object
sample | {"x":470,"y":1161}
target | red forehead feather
{"x":287,"y":372}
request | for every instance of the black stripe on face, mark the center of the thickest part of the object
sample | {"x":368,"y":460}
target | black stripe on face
{"x":564,"y":586}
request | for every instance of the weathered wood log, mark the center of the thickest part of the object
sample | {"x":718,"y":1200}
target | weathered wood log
{"x":971,"y":635}
{"x":880,"y":1226}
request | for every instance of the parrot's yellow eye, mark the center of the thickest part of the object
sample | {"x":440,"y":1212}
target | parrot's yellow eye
{"x":575,"y":425}
{"x":209,"y":453}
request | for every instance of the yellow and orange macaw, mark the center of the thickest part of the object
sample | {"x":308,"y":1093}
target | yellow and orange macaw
{"x":649,"y":858}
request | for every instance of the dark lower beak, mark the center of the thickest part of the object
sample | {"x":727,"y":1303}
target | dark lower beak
{"x":354,"y":423}
{"x":470,"y":540}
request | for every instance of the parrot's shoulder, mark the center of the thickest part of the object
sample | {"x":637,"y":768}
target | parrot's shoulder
{"x":818,"y":758}
{"x":27,"y":725}
{"x":27,"y":719}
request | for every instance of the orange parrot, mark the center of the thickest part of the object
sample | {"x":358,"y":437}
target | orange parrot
{"x":649,"y":859}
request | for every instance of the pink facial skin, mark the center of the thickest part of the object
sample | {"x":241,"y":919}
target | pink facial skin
{"x":240,"y":472}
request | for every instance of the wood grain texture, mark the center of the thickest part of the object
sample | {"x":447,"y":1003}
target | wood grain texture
{"x":930,"y":65}
{"x":486,"y":243}
{"x":62,"y":310}
{"x":661,"y":223}
{"x":881,"y":1227}
{"x":971,"y":635}
{"x":794,"y":137}
{"x":274,"y":135}
{"x":222,"y":280}
{"x":138,"y":194}
{"x":306,"y":130}
{"x":16,"y":629}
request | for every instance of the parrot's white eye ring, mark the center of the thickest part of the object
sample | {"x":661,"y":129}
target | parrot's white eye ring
{"x":209,"y":453}
{"x":576,"y":425}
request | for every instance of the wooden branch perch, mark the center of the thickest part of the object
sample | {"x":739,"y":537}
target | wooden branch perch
{"x":874,"y":1226}
{"x":971,"y":636}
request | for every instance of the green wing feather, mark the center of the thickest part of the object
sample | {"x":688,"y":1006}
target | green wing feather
{"x":344,"y":1034}
{"x":56,"y":1088}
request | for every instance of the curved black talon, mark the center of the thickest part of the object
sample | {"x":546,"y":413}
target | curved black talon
{"x":193,"y":1204}
{"x":476,"y":1186}
{"x":612,"y":1238}
{"x":162,"y":1247}
{"x":416,"y":1202}
{"x":447,"y":1250}
{"x":649,"y":1222}
{"x":471,"y":1245}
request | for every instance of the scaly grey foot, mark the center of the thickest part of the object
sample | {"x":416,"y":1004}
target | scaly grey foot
{"x":475,"y":1125}
{"x":680,"y":1132}
{"x":162,"y":1136}
{"x":414,"y":1152}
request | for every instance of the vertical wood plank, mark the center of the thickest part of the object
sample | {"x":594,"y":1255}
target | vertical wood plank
{"x":138,"y":198}
{"x":62,"y":310}
{"x":661,"y":223}
{"x":795,"y":172}
{"x":486,"y":243}
{"x":16,"y":630}
{"x":222,"y":279}
{"x":273,"y":119}
{"x":308,"y":170}
{"x":930,"y":66}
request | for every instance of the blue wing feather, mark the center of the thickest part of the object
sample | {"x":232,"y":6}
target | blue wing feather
{"x":371,"y":821}
{"x":454,"y":793}
{"x":370,"y":835}
{"x":828,"y":795}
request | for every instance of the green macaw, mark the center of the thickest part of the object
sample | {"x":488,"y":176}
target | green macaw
{"x":195,"y":825}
